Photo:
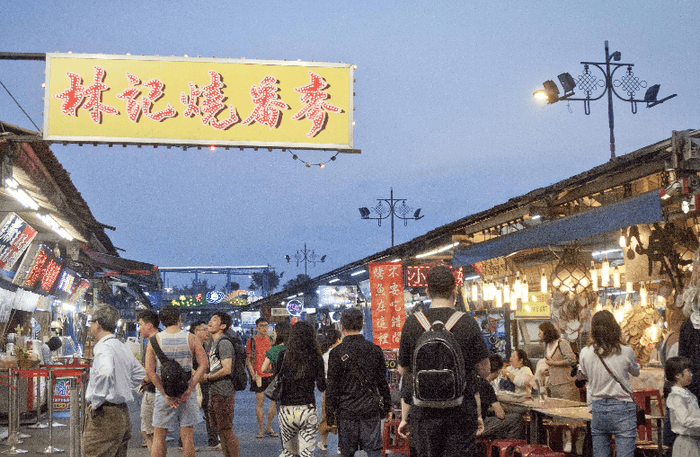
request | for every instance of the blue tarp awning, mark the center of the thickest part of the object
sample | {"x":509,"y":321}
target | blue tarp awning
{"x":641,"y":209}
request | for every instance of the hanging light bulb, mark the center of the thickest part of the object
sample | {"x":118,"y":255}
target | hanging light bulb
{"x":499,"y":298}
{"x":619,"y":314}
{"x":594,"y":276}
{"x":525,"y":290}
{"x":543,"y":282}
{"x":616,"y":277}
{"x":494,"y":290}
{"x":605,"y":278}
{"x":506,"y":292}
{"x":475,"y":292}
{"x":517,"y":286}
{"x":623,"y":240}
{"x":643,"y":294}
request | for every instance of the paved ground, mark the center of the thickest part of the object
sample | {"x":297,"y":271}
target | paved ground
{"x":244,"y":425}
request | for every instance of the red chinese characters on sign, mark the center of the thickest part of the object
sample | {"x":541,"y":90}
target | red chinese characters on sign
{"x":145,"y":105}
{"x":212,"y":104}
{"x":267,"y":103}
{"x":415,"y":275}
{"x":388,"y":313}
{"x":43,"y":273}
{"x":316,"y":106}
{"x":206,"y":101}
{"x":76,"y":94}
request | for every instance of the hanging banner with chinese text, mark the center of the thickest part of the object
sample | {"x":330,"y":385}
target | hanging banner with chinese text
{"x":39,"y":270}
{"x":388,"y":312}
{"x":15,"y":237}
{"x":94,"y":98}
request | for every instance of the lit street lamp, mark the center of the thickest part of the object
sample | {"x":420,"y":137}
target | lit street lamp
{"x":306,"y":256}
{"x":589,"y":84}
{"x":392,"y":210}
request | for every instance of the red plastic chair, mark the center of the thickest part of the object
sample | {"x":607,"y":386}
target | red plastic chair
{"x":504,"y":448}
{"x":392,"y":442}
{"x":644,"y":398}
{"x":528,"y":450}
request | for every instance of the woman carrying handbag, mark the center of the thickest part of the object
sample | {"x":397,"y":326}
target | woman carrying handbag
{"x":612,"y":407}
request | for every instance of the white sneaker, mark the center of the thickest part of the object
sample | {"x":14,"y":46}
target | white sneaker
{"x":323,"y":447}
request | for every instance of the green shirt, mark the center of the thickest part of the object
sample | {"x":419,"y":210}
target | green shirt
{"x":273,"y":353}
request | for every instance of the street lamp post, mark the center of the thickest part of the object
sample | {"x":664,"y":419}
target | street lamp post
{"x":589,"y":83}
{"x":306,"y":256}
{"x":392,"y":210}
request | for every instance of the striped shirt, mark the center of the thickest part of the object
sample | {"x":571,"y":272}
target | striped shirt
{"x":176,"y":347}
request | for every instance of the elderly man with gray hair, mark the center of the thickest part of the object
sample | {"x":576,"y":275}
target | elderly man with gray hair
{"x":114,"y":375}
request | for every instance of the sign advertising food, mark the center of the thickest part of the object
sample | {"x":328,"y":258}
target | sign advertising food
{"x":15,"y":237}
{"x":94,"y":98}
{"x":388,"y":313}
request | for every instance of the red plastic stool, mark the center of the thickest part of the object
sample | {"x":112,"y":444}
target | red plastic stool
{"x":547,"y":453}
{"x":504,"y":448}
{"x":392,"y":442}
{"x":528,"y":450}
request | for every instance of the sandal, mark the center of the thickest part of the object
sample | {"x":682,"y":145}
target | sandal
{"x":260,"y":435}
{"x":271,"y":433}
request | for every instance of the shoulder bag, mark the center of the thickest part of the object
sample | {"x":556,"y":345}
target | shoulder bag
{"x":274,"y":390}
{"x":641,"y":417}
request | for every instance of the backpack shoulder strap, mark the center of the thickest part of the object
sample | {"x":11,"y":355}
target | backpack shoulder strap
{"x":159,"y":352}
{"x":456,"y":316}
{"x":423,"y":321}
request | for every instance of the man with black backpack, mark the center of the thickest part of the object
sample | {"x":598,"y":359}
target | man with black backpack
{"x":222,"y":392}
{"x":169,"y":367}
{"x":440,"y":353}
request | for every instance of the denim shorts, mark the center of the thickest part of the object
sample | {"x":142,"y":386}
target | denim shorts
{"x":187,"y":414}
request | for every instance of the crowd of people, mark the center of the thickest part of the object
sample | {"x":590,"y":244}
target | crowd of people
{"x":351,"y":373}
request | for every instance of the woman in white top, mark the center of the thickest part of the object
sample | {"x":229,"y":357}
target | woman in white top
{"x":520,"y":372}
{"x":683,"y":407}
{"x":612,"y":408}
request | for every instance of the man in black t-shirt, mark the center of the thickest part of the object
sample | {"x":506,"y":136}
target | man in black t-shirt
{"x":497,"y":424}
{"x":442,"y":432}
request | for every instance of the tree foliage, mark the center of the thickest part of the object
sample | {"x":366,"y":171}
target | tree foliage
{"x":298,"y":281}
{"x":197,"y":287}
{"x":273,"y":280}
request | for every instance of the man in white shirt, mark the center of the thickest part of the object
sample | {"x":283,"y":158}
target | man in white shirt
{"x":114,"y":375}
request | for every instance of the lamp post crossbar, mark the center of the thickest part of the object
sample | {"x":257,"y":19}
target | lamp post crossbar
{"x":392,"y":210}
{"x":589,"y":84}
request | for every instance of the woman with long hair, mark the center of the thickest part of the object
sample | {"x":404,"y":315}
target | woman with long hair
{"x":519,"y":372}
{"x":559,"y":358}
{"x":300,"y":366}
{"x":612,"y":408}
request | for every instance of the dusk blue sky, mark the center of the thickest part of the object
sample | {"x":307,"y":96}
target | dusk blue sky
{"x":443,"y":106}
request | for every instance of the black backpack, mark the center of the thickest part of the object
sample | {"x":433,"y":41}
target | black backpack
{"x":439,"y":376}
{"x":174,"y":378}
{"x":238,"y":374}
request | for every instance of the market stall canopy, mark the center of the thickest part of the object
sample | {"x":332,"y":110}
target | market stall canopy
{"x":641,"y":209}
{"x":144,"y":274}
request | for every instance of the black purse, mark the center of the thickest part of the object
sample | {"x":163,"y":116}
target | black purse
{"x":274,"y":390}
{"x":641,"y":415}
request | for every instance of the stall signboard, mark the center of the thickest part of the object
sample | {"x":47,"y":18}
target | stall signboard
{"x":415,"y":274}
{"x":536,"y":307}
{"x":79,"y":289}
{"x":249,"y":317}
{"x":388,"y":312}
{"x":68,"y":280}
{"x":15,"y":237}
{"x":39,"y":270}
{"x":337,"y":295}
{"x":95,"y":98}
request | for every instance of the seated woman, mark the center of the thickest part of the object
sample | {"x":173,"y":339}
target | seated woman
{"x":519,"y":372}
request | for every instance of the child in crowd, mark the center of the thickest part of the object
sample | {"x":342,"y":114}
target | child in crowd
{"x":683,"y":407}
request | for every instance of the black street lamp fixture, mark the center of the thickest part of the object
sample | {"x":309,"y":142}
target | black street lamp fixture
{"x":383,"y":211}
{"x":589,"y":84}
{"x":306,"y":256}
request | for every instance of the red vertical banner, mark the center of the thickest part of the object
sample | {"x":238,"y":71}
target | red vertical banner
{"x":388,"y":312}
